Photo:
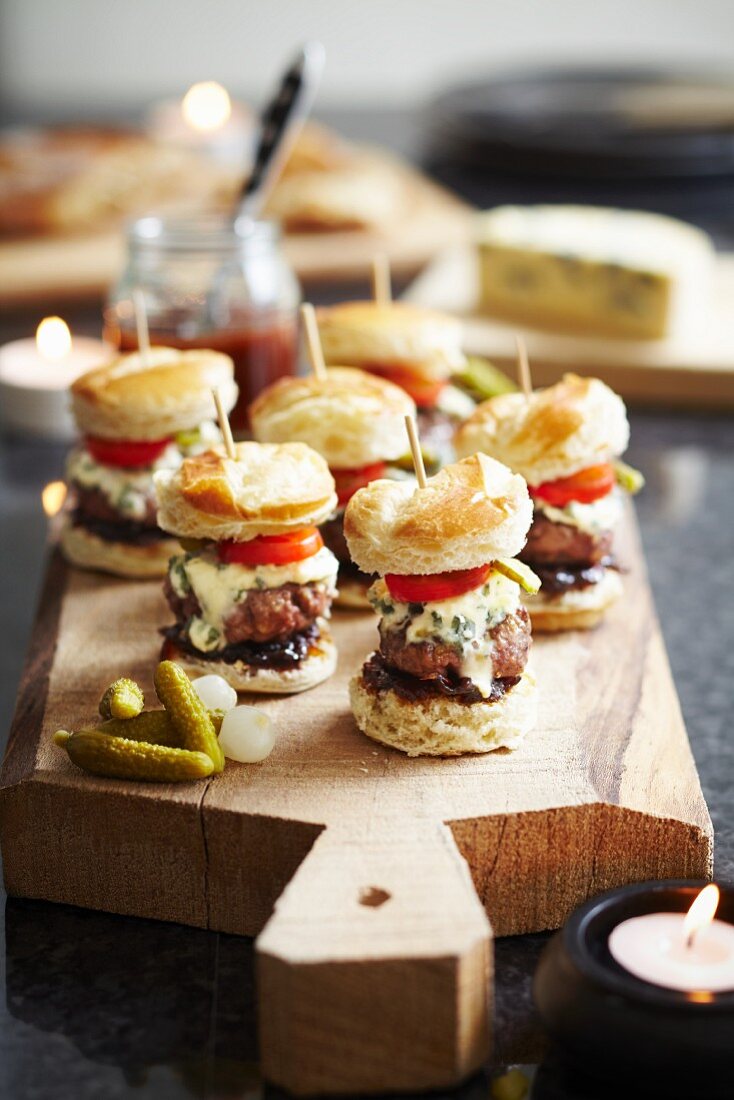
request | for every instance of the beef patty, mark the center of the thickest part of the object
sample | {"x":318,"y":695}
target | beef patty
{"x":332,"y":533}
{"x":436,"y":658}
{"x":92,"y":504}
{"x":552,"y":544}
{"x":265,"y":614}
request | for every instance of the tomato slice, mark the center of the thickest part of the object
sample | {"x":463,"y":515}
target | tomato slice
{"x":272,"y":549}
{"x":130,"y":453}
{"x":348,"y":481}
{"x":585,"y":487}
{"x":435,"y":586}
{"x":424,"y":391}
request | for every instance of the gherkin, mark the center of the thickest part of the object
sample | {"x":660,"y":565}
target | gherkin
{"x":123,"y":699}
{"x":121,"y":758}
{"x":187,"y":712}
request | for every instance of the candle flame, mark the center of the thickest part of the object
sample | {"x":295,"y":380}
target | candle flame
{"x":206,"y":106}
{"x":701,"y":913}
{"x":53,"y":496}
{"x":53,"y":338}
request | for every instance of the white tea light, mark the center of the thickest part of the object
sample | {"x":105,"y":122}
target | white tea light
{"x":206,"y":120}
{"x":247,"y":735}
{"x":215,"y":693}
{"x":688,"y":951}
{"x":35,"y":375}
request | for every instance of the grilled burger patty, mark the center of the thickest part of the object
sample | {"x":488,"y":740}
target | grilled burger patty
{"x":92,"y":504}
{"x":379,"y":676}
{"x":552,"y":544}
{"x":332,"y":533}
{"x":264,"y":615}
{"x":435,"y":658}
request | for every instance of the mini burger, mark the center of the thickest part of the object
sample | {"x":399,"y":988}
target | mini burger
{"x":357,"y":422}
{"x":417,"y":349}
{"x":252,"y":591}
{"x":136,"y":416}
{"x":564,"y":440}
{"x":449,"y":676}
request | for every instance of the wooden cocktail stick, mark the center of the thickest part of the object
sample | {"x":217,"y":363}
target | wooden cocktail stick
{"x":141,"y":324}
{"x":381,"y":284}
{"x":224,"y":425}
{"x":313,"y":342}
{"x":523,"y":367}
{"x":415,"y":450}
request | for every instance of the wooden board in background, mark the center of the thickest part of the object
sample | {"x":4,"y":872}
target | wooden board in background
{"x":84,"y":267}
{"x":346,"y":857}
{"x":698,"y":371}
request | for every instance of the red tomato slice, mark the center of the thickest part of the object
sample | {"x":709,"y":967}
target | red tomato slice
{"x":129,"y":453}
{"x":272,"y":549}
{"x":424,"y":391}
{"x":585,"y":487}
{"x":435,"y":586}
{"x":348,"y":481}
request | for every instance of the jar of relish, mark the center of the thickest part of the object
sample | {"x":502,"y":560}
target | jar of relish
{"x":209,"y":282}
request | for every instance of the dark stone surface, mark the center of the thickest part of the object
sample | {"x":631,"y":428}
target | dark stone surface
{"x":103,"y":1006}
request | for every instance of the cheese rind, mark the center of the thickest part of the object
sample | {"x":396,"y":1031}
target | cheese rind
{"x":593,"y":270}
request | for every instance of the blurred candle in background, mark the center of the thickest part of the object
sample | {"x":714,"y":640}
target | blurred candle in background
{"x":206,"y":120}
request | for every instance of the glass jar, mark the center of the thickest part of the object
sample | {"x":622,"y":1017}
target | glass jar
{"x":212,"y":283}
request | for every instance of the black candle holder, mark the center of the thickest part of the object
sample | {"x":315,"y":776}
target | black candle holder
{"x":617,"y":1027}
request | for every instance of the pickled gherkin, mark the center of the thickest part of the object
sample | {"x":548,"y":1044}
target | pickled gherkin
{"x":187,"y":712}
{"x":123,"y":699}
{"x":154,"y":726}
{"x":121,"y":758}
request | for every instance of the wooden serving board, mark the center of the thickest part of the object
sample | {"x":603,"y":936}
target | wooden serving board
{"x":79,"y":268}
{"x":370,"y":878}
{"x":697,"y":371}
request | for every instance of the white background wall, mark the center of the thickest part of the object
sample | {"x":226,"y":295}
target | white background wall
{"x":109,"y":53}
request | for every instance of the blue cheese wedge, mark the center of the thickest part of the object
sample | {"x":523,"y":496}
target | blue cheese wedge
{"x":218,"y":587}
{"x":593,"y":270}
{"x":462,"y":622}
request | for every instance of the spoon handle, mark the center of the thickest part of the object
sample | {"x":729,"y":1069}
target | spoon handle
{"x":280,"y":124}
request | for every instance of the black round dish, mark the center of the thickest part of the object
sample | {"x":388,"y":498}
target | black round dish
{"x":618,"y":1027}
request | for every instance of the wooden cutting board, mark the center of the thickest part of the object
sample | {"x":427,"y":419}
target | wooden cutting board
{"x":696,"y":371}
{"x":78,"y":268}
{"x":370,"y":878}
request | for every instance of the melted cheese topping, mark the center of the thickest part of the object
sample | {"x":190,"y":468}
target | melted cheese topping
{"x":218,"y":587}
{"x":462,"y":622}
{"x":130,"y":491}
{"x":601,"y":515}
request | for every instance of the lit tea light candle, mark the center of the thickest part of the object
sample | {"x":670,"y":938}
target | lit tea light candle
{"x":207,"y":120}
{"x":53,"y":498}
{"x":689,"y":951}
{"x":35,"y":375}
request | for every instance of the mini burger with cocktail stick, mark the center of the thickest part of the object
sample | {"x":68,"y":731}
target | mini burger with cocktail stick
{"x":449,"y":676}
{"x":417,"y":349}
{"x":138,"y":414}
{"x":252,"y":591}
{"x":356,"y":421}
{"x":565,"y":441}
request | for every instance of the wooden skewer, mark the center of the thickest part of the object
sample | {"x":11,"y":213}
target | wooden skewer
{"x":415,"y":450}
{"x":141,"y":324}
{"x":313,"y":343}
{"x":523,"y":367}
{"x":224,"y":425}
{"x":381,"y":283}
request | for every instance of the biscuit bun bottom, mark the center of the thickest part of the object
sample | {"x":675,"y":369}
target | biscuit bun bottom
{"x":441,"y":726}
{"x":351,"y":417}
{"x":122,"y":559}
{"x":470,"y":513}
{"x":577,"y":423}
{"x":579,"y":609}
{"x":139,"y":398}
{"x":317,"y":667}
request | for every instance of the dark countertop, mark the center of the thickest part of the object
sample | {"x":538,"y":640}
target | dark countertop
{"x":103,"y":1006}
